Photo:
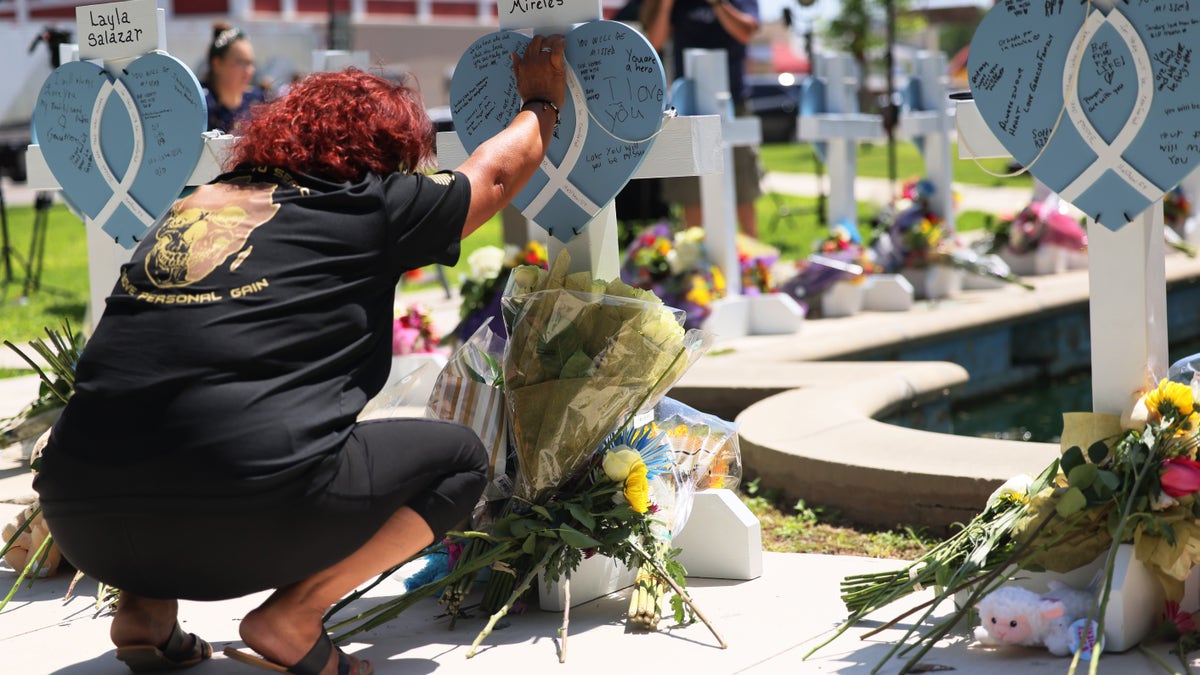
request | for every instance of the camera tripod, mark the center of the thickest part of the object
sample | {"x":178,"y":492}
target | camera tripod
{"x":34,"y":262}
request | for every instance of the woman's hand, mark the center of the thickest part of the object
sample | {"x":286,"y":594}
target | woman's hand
{"x":503,"y":164}
{"x":540,"y":72}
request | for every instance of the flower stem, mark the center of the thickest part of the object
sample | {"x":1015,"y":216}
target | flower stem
{"x":562,"y":632}
{"x":34,"y":562}
{"x":1149,"y":653}
{"x":662,"y":574}
{"x":1106,"y":591}
{"x":512,"y":598}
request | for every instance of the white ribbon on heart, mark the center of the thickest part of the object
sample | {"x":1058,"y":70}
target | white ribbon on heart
{"x":559,"y":180}
{"x":120,"y":189}
{"x":1109,"y":155}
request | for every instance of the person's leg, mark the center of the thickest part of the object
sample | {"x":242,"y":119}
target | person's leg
{"x":425,"y":474}
{"x":284,"y":627}
{"x":149,"y":638}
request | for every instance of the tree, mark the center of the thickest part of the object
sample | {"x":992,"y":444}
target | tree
{"x":860,"y":29}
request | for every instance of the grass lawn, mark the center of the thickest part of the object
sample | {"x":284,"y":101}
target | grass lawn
{"x":872,"y":162}
{"x":63,"y":292}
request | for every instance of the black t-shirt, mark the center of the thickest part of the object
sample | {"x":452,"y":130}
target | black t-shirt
{"x":694,"y":25}
{"x":251,"y":326}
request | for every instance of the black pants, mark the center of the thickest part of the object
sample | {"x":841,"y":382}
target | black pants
{"x":252,"y":543}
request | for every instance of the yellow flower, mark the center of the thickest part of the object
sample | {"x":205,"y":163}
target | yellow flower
{"x":1015,"y":489}
{"x":620,"y":461}
{"x":699,"y":292}
{"x":1170,"y":397}
{"x":637,"y":488}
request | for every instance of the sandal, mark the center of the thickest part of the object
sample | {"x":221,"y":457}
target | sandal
{"x":171,"y":655}
{"x":312,"y":663}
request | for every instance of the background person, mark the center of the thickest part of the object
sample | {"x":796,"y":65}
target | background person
{"x":211,"y":448}
{"x":711,"y":24}
{"x":229,"y":88}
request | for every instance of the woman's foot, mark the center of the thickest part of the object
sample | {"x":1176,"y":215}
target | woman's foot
{"x":148,"y":637}
{"x":285,"y":636}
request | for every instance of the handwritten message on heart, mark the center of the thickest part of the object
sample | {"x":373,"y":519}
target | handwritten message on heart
{"x":1121,"y":79}
{"x":616,"y":91}
{"x":122,"y":148}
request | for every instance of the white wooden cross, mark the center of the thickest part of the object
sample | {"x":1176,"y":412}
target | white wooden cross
{"x":840,"y":126}
{"x":1128,"y":312}
{"x":105,"y":256}
{"x":1127,"y":287}
{"x":931,"y":122}
{"x":706,"y":75}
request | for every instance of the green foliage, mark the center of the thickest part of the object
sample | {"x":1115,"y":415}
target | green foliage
{"x":63,"y":291}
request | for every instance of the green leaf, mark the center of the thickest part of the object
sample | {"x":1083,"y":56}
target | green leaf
{"x":1072,"y":458}
{"x":543,"y":512}
{"x":1072,"y":501}
{"x":1109,"y":480}
{"x":1044,"y":478}
{"x":587,"y":520}
{"x":529,"y":545}
{"x":1083,"y":476}
{"x":1097,"y":452}
{"x":524,"y":526}
{"x":573,"y":537}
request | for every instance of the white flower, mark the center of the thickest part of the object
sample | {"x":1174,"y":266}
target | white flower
{"x":1135,"y":415}
{"x":1014,"y":489}
{"x":486,"y":263}
{"x":618,"y":462}
{"x":662,"y":328}
{"x":687,"y":250}
{"x":525,"y":278}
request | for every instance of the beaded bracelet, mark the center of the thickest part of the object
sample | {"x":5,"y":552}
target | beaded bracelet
{"x":545,"y":104}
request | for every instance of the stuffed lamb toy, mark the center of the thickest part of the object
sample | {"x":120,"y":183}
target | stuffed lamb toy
{"x":1011,"y":615}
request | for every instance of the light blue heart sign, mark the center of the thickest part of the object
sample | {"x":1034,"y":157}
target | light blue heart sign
{"x":122,"y":148}
{"x":1109,"y":94}
{"x":616,"y":92}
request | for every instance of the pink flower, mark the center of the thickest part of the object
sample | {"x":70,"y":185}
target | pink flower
{"x":1176,"y":621}
{"x":1180,"y":477}
{"x":404,"y":339}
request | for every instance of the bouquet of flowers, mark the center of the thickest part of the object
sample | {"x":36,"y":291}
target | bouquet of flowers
{"x":675,"y":268}
{"x":1137,"y":485}
{"x":413,"y":332}
{"x":840,"y":256}
{"x":584,"y":357}
{"x":1040,"y":223}
{"x":1177,"y":218}
{"x":756,"y":259}
{"x":914,"y":237}
{"x":1176,"y":209}
{"x":484,"y":285}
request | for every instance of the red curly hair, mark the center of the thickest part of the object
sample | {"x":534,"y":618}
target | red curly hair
{"x":338,"y":127}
